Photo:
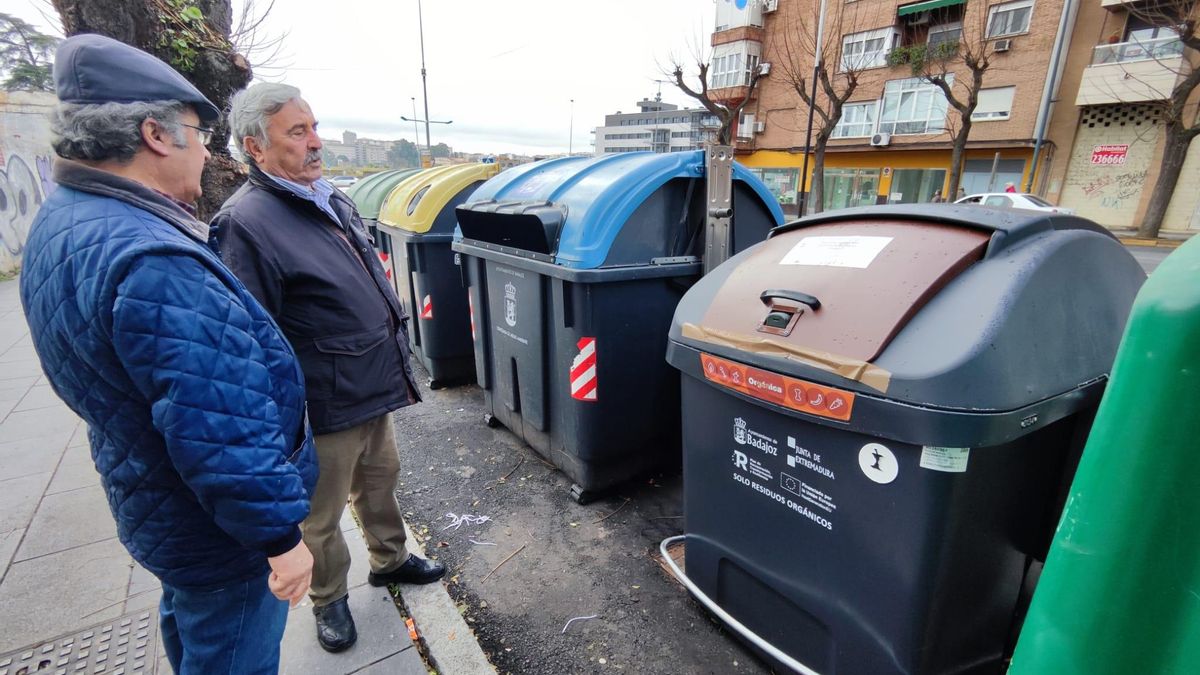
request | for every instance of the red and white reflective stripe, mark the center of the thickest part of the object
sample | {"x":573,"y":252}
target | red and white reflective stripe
{"x":471,"y":311}
{"x":427,"y":308}
{"x":583,"y":371}
{"x":387,"y":269}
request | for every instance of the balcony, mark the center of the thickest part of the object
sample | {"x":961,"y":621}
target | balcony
{"x":1132,"y":72}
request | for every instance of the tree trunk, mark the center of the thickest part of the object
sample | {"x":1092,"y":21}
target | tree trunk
{"x":816,"y":193}
{"x":218,"y":74}
{"x":958,"y":153}
{"x":1174,"y":153}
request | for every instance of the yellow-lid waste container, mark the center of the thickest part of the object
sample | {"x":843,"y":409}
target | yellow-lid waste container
{"x":418,"y":215}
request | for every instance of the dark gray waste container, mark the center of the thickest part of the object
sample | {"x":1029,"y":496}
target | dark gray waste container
{"x":881,"y":407}
{"x":418,"y":215}
{"x":575,"y":266}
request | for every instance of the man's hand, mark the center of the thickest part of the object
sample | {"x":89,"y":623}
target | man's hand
{"x":291,"y":574}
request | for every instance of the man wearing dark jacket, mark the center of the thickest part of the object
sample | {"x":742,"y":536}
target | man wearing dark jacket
{"x":300,"y":247}
{"x":193,"y":398}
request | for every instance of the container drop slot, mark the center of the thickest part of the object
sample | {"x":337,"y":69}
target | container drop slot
{"x":527,"y":226}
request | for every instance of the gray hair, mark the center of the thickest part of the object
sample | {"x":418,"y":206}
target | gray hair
{"x":111,"y":131}
{"x":250,"y":110}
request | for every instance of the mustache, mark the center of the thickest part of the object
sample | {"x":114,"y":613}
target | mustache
{"x":312,"y":156}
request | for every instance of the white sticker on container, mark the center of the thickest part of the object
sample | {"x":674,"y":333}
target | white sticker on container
{"x":950,"y":460}
{"x":856,"y":252}
{"x":878,"y":463}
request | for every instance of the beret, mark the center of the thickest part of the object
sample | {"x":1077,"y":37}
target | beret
{"x":96,"y":69}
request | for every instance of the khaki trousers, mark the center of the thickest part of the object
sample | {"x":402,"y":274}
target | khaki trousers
{"x":362,"y":464}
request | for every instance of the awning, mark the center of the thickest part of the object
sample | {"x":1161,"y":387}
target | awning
{"x":905,"y":10}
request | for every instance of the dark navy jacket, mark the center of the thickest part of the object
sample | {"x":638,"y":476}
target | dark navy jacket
{"x":193,"y":398}
{"x":323,"y":283}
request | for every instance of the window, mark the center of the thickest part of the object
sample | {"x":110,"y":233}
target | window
{"x":912,"y":106}
{"x":945,"y":33}
{"x":998,"y":200}
{"x":780,"y":182}
{"x":994,"y":104}
{"x":730,"y":16}
{"x":732,"y":64}
{"x":867,"y":49}
{"x":858,"y":119}
{"x":1009,"y":18}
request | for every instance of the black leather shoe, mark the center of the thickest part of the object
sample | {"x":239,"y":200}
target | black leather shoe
{"x":335,"y":626}
{"x":412,"y":571}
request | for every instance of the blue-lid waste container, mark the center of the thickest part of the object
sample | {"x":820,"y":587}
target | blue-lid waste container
{"x":368,"y":196}
{"x":418,"y":215}
{"x":881,"y":411}
{"x":575,"y":266}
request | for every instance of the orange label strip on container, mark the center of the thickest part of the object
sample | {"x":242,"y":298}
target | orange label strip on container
{"x":788,"y":392}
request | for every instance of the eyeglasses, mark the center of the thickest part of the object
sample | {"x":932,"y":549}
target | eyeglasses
{"x":203,"y":133}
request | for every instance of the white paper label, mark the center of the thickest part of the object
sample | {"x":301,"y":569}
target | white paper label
{"x":950,"y":460}
{"x":836,"y":251}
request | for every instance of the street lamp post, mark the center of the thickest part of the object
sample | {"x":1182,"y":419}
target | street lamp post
{"x":571,"y":132}
{"x":424,"y":88}
{"x":416,"y":131}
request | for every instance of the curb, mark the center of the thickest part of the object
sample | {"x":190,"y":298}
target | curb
{"x":448,"y":641}
{"x":1156,"y":243}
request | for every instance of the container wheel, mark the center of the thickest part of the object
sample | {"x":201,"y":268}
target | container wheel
{"x":491,"y":421}
{"x":436,"y":384}
{"x":582,"y":496}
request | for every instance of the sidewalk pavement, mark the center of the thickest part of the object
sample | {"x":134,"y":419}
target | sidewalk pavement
{"x":71,"y":596}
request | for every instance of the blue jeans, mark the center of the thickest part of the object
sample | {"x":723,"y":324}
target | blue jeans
{"x":234,"y":630}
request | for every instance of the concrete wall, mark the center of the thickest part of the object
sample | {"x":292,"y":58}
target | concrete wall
{"x":1110,"y":194}
{"x":25,"y":156}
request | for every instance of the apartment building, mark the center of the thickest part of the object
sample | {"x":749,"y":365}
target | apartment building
{"x":656,"y":127}
{"x":357,"y":151}
{"x":1067,"y":108}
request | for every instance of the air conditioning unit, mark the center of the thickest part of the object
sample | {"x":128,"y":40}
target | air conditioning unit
{"x":881,"y":140}
{"x":760,"y":127}
{"x":1002,"y":45}
{"x":764,"y":69}
{"x":770,"y":6}
{"x":746,"y":128}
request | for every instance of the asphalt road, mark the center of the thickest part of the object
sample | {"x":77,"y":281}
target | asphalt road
{"x":541,"y":560}
{"x":1149,"y":256}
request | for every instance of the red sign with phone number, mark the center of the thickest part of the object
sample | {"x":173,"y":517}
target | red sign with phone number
{"x":788,"y":392}
{"x":1109,"y":154}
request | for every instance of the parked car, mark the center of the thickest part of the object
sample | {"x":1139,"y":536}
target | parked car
{"x":343,"y":182}
{"x":1014,"y":200}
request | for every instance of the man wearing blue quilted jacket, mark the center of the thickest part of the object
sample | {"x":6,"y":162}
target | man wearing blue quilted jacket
{"x":193,"y":397}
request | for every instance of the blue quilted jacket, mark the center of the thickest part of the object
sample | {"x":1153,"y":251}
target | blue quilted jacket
{"x":193,"y":398}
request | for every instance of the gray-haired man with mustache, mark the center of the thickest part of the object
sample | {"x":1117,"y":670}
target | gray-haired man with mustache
{"x":298,"y":244}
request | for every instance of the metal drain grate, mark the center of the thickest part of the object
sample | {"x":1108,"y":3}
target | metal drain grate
{"x":125,"y":646}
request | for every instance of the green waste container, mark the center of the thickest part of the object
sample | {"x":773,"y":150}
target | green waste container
{"x":1120,"y":592}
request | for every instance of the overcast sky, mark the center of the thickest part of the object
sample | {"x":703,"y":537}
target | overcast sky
{"x":503,"y":70}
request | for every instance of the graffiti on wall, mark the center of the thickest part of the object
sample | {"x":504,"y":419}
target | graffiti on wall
{"x":25,"y":157}
{"x":22,"y":189}
{"x":1113,"y":191}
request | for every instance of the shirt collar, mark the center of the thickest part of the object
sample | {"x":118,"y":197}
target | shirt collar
{"x":319,"y":194}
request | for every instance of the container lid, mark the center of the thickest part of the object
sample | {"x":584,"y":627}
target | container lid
{"x":599,"y":194}
{"x":415,"y":202}
{"x":368,"y":194}
{"x":844,"y":288}
{"x":952,"y":307}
